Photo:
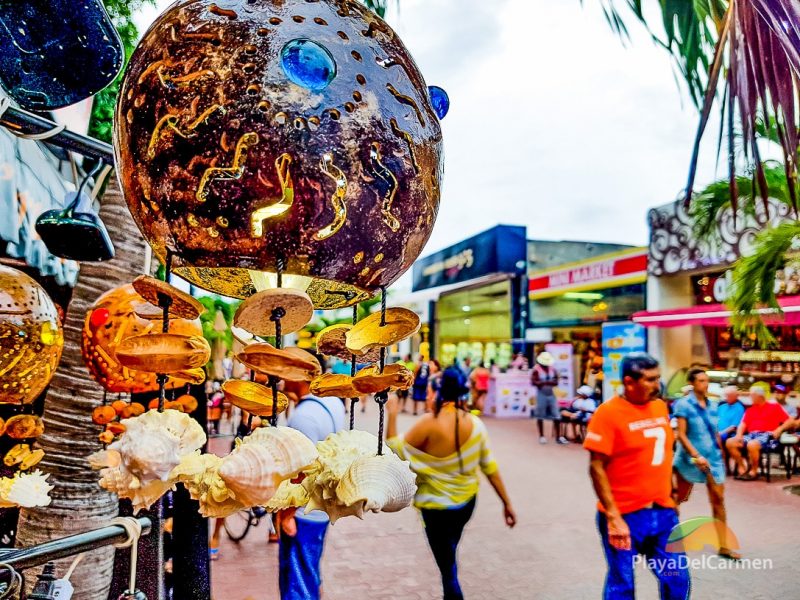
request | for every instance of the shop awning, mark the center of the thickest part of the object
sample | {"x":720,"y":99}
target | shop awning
{"x":717,"y":315}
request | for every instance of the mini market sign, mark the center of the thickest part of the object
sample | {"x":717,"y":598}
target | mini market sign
{"x":607,"y":271}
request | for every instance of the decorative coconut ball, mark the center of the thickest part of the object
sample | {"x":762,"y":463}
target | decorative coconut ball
{"x":253,"y":131}
{"x":112,"y":319}
{"x":31,"y":338}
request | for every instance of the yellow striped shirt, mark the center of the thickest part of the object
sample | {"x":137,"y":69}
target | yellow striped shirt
{"x":440,"y":483}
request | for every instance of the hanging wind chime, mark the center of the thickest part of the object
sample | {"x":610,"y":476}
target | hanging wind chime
{"x":287,"y":153}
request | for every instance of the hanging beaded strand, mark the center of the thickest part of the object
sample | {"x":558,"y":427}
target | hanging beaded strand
{"x":164,"y":301}
{"x":353,"y":401}
{"x":382,"y":397}
{"x":277,"y":314}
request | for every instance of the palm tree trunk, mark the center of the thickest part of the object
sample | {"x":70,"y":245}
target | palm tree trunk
{"x":70,"y":436}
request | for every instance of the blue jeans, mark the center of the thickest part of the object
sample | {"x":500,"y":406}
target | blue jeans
{"x":299,"y":557}
{"x":444,"y":527}
{"x":650,"y":529}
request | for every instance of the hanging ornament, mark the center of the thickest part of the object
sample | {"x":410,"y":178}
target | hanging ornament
{"x":112,"y":319}
{"x":31,"y":338}
{"x":280,"y":128}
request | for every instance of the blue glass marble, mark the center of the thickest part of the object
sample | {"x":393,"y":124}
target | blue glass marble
{"x":308,"y":64}
{"x":439,"y":100}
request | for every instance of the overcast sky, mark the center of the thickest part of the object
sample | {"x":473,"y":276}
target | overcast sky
{"x":554,"y":124}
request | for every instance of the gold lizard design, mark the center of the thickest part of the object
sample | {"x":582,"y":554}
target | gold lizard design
{"x":171,"y":122}
{"x":282,"y":164}
{"x":235,"y":171}
{"x":337,"y":199}
{"x":387,"y":177}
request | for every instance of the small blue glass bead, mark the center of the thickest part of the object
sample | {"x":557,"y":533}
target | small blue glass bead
{"x":308,"y":64}
{"x":439,"y":100}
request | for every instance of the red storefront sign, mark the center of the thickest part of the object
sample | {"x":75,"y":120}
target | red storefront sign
{"x":599,"y":273}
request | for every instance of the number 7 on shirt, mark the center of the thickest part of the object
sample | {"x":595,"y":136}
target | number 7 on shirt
{"x":660,"y":443}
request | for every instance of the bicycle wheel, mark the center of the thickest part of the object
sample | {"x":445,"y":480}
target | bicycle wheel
{"x":238,"y":524}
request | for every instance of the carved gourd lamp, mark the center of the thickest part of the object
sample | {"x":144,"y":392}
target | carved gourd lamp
{"x":31,"y":337}
{"x":261,"y":136}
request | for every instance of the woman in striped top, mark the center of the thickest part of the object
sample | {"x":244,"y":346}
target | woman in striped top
{"x":446,"y":449}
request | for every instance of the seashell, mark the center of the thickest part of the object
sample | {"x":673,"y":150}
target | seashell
{"x":154,"y":442}
{"x":148,"y":454}
{"x":16,"y":455}
{"x":371,"y":380}
{"x":182,"y":305}
{"x":103,"y":415}
{"x":331,"y":384}
{"x":105,"y":458}
{"x":336,"y":453}
{"x":163,"y":352}
{"x":253,"y":315}
{"x":253,"y":397}
{"x":20,"y":427}
{"x":380,"y":483}
{"x":121,"y":482}
{"x":199,"y":473}
{"x":25,"y":489}
{"x":288,"y":495}
{"x":331,"y":341}
{"x":368,"y":333}
{"x":263,"y":460}
{"x":292,"y":364}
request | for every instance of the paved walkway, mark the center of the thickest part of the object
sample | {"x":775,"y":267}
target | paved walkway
{"x":553,"y":553}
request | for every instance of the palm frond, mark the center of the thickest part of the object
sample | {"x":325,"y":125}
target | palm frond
{"x":690,"y":34}
{"x":762,"y":43}
{"x":753,"y":279}
{"x":709,"y":205}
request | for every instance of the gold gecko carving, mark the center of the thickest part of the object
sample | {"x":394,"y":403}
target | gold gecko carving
{"x":337,"y":198}
{"x":282,"y":164}
{"x":383,"y":173}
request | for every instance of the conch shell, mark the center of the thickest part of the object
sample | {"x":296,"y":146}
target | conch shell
{"x":154,"y":442}
{"x":199,"y":473}
{"x":336,"y":453}
{"x":380,"y":483}
{"x":25,"y":489}
{"x":265,"y":458}
{"x":139,"y":465}
{"x":288,"y":495}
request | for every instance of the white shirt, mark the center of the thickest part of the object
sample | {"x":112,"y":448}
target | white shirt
{"x":317,"y":418}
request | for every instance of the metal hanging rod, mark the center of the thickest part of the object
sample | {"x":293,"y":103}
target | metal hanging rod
{"x":25,"y":558}
{"x":22,"y":121}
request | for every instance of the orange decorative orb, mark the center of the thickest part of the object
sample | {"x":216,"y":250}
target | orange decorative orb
{"x":253,"y":131}
{"x":111,"y":320}
{"x":31,"y":337}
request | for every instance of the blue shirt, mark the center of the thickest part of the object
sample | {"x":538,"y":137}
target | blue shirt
{"x":701,"y":434}
{"x":317,"y":418}
{"x":729,"y":415}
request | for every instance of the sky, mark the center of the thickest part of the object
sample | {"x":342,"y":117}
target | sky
{"x":554,"y":122}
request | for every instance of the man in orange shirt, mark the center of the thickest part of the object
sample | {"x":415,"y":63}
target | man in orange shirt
{"x":630,"y":440}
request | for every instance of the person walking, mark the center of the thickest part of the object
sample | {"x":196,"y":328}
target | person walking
{"x":699,"y":457}
{"x":630,"y":441}
{"x":302,"y":536}
{"x":446,"y":450}
{"x":545,"y":379}
{"x":479,"y":382}
{"x":419,"y":389}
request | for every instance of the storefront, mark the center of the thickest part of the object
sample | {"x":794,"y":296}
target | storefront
{"x":475,"y":290}
{"x":687,"y":319}
{"x":569,"y":304}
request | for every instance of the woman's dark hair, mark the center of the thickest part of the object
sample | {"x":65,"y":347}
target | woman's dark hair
{"x":634,"y":363}
{"x":452,"y":389}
